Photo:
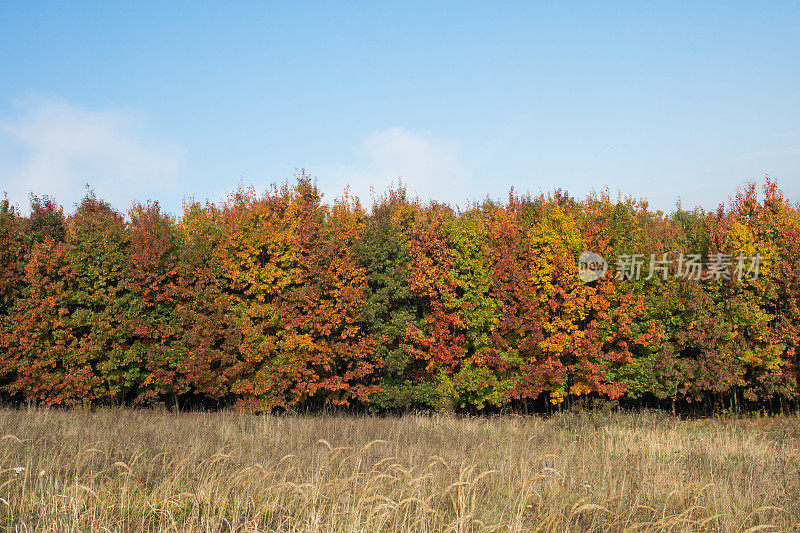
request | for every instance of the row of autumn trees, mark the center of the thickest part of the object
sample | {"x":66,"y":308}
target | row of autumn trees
{"x":279,"y":300}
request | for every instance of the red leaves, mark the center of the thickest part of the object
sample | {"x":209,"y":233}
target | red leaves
{"x":440,"y":346}
{"x":281,"y":300}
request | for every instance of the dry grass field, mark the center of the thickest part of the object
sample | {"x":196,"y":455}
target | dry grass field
{"x":136,"y":470}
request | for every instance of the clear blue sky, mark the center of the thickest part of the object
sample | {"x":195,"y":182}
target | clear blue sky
{"x":460,"y":100}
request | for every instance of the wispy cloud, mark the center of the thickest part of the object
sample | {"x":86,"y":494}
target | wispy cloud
{"x":429,"y":167}
{"x":764,"y":154}
{"x":51,"y":146}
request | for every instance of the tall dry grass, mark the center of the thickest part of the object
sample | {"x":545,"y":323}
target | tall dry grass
{"x":128,"y":470}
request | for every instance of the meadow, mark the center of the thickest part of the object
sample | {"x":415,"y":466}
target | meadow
{"x":115,"y":469}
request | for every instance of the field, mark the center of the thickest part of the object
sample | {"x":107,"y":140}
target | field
{"x":137,"y":470}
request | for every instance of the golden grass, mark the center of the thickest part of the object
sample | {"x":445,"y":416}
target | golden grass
{"x":128,"y":470}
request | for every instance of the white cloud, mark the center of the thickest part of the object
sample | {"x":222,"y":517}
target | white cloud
{"x":430,"y":168}
{"x":53,"y":147}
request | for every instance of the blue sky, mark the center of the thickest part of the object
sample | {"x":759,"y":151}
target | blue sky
{"x":460,"y":100}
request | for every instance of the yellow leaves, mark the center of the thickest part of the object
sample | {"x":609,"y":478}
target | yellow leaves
{"x":557,"y":232}
{"x":741,"y":242}
{"x":579,"y":389}
{"x":558,"y":395}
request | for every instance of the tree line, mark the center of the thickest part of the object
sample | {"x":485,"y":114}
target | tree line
{"x":279,"y":300}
